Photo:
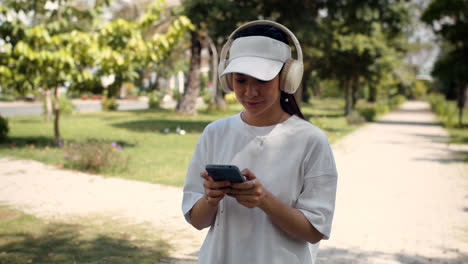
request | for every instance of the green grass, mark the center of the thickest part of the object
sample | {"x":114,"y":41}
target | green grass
{"x":459,"y":134}
{"x":154,"y":156}
{"x":27,"y":239}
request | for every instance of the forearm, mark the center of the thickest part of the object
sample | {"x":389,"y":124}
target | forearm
{"x":290,"y":220}
{"x":203,"y":214}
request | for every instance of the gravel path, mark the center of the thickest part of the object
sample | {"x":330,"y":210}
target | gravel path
{"x":402,"y":196}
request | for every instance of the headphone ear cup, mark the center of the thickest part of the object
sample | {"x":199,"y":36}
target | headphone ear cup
{"x":291,"y":76}
{"x":225,"y":80}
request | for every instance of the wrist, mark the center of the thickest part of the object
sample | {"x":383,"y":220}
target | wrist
{"x":265,"y":201}
{"x":209,"y":203}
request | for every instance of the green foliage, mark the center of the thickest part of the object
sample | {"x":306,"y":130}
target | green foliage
{"x":369,"y":113}
{"x":4,"y":129}
{"x":109,"y":104}
{"x":445,"y":111}
{"x":330,"y":88}
{"x":396,"y":101}
{"x":355,"y":118}
{"x":420,"y":89}
{"x":65,"y":104}
{"x":155,"y":99}
{"x":104,"y":156}
{"x":230,"y":98}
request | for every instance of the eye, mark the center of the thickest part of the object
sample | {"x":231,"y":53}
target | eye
{"x":261,"y":82}
{"x":240,"y":80}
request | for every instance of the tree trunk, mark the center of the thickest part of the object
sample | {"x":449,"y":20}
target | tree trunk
{"x":214,"y":67}
{"x":48,"y":105}
{"x":372,"y":94}
{"x":355,"y":90}
{"x":305,"y":92}
{"x":461,"y":103}
{"x":189,"y":99}
{"x":347,"y":84}
{"x":56,"y":119}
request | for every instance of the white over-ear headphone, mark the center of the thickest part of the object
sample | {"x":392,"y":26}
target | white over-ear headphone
{"x":291,"y":74}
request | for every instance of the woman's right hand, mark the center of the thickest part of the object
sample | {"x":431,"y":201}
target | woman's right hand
{"x":214,"y":190}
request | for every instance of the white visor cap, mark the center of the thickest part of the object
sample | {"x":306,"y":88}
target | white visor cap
{"x":257,"y":56}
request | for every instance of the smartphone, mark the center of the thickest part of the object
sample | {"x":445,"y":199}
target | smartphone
{"x":225,"y":173}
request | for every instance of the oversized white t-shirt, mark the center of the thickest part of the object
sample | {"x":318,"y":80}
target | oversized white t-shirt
{"x":293,"y":160}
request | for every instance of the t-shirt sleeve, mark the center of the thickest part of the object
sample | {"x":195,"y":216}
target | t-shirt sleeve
{"x":193,"y":188}
{"x":317,"y":198}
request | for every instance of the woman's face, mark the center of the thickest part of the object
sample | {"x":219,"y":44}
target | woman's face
{"x":259,"y":98}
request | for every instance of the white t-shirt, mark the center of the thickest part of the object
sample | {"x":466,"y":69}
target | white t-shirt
{"x":293,"y":160}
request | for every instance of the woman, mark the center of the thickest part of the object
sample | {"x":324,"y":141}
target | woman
{"x":286,"y":205}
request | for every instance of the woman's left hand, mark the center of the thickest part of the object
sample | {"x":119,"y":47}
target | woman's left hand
{"x":249,"y":193}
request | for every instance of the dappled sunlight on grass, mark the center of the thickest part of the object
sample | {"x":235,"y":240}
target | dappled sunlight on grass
{"x":27,"y":239}
{"x":158,"y":151}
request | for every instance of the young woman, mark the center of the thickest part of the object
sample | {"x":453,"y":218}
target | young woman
{"x":286,"y":205}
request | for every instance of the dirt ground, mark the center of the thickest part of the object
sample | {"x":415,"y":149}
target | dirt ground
{"x":402,"y":196}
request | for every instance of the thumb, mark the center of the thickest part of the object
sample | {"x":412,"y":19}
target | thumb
{"x":248,"y":174}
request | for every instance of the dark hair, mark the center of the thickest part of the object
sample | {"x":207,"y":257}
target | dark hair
{"x":287,"y":101}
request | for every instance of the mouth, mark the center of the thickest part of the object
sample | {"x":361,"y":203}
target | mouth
{"x":252,"y":103}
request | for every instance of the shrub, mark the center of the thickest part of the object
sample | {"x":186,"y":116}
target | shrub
{"x":155,"y":99}
{"x":369,"y":113}
{"x":4,"y":129}
{"x":109,"y":104}
{"x":7,"y":98}
{"x":95,"y":156}
{"x":354,"y":118}
{"x":381,"y":108}
{"x":396,"y":101}
{"x":65,"y":104}
{"x":419,"y":89}
{"x":445,"y":111}
{"x":230,"y":98}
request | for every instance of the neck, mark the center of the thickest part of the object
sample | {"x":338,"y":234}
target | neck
{"x":268,"y":119}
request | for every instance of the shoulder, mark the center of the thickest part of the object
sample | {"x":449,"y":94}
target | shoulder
{"x":221,"y":125}
{"x":305,"y":130}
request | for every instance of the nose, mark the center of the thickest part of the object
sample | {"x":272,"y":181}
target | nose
{"x":251,"y":89}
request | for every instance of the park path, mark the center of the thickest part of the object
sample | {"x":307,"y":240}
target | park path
{"x":402,"y":196}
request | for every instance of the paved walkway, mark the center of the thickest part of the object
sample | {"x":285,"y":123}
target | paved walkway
{"x":402,"y":196}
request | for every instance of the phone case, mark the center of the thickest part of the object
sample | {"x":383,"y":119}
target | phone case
{"x":225,"y":172}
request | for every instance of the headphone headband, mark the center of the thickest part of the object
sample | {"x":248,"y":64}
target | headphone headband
{"x":284,"y":29}
{"x":291,"y":73}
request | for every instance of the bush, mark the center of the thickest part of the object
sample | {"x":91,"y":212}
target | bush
{"x":381,"y":108}
{"x":95,"y":156}
{"x":446,"y":112}
{"x":369,"y":113}
{"x":230,"y":98}
{"x":396,"y":101}
{"x":4,"y":129}
{"x":420,"y":89}
{"x":109,"y":104}
{"x":7,"y":98}
{"x":155,"y":99}
{"x":354,"y":118}
{"x":66,"y":105}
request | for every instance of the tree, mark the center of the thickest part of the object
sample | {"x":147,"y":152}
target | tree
{"x":57,"y":51}
{"x":449,"y":20}
{"x":362,"y":41}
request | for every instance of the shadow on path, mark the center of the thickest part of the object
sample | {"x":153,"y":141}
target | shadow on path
{"x":405,"y":123}
{"x":347,"y":256}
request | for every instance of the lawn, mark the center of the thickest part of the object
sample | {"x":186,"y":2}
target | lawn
{"x":27,"y":239}
{"x":153,"y":155}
